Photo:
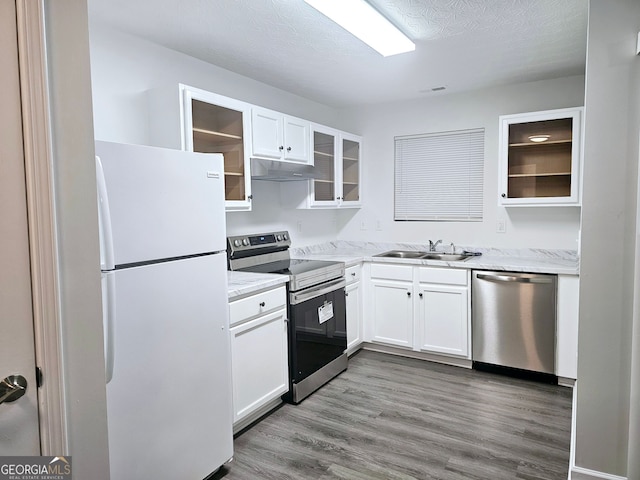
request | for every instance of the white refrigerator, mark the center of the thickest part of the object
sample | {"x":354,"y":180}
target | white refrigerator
{"x":164,"y":278}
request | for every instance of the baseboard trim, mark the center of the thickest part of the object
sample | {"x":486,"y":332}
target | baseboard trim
{"x":579,"y":473}
{"x":431,"y":357}
{"x":241,"y":425}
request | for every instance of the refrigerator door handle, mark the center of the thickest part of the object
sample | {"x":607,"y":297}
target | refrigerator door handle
{"x":109,"y":314}
{"x":104,"y":216}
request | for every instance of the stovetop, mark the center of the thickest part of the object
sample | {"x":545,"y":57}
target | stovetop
{"x":292,"y":266}
{"x":302,"y":273}
{"x":269,"y":253}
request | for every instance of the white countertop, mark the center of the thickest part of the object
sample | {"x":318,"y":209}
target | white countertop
{"x":563,"y":262}
{"x":523,"y":260}
{"x":245,"y":283}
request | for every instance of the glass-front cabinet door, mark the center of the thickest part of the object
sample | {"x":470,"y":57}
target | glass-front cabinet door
{"x":540,"y":158}
{"x":323,"y":188}
{"x":337,"y":163}
{"x":350,"y":171}
{"x":216,"y":124}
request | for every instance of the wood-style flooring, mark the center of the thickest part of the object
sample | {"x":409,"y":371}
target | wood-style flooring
{"x":395,"y":418}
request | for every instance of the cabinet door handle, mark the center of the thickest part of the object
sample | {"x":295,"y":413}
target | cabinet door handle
{"x":408,"y":294}
{"x":504,"y":195}
{"x":346,"y":294}
{"x":281,"y":147}
{"x":353,"y":274}
{"x":420,"y":294}
{"x":288,"y":149}
{"x":262,"y":304}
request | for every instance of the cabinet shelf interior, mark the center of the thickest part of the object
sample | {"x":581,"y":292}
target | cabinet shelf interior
{"x":541,"y":144}
{"x":551,"y":174}
{"x":216,"y":134}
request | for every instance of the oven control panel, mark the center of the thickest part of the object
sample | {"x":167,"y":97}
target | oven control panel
{"x":242,"y":243}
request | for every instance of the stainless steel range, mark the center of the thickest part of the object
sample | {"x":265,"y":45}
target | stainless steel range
{"x":316,"y":308}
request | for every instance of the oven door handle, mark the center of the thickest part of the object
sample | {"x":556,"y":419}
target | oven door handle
{"x":299,"y":297}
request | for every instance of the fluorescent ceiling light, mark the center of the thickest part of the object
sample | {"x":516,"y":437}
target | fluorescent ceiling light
{"x":362,"y":20}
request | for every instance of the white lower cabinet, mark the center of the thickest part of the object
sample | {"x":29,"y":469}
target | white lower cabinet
{"x":443,"y":320}
{"x":392,"y":312}
{"x":354,"y":308}
{"x":420,"y":308}
{"x":259,"y":356}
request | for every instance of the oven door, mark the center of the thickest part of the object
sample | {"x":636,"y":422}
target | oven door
{"x":317,"y":327}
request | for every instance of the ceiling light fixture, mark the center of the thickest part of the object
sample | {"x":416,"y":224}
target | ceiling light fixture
{"x":363,"y":21}
{"x":539,"y":138}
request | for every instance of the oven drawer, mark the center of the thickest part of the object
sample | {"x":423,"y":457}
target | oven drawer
{"x":258,"y":304}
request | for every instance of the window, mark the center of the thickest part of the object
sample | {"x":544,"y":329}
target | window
{"x":439,"y":176}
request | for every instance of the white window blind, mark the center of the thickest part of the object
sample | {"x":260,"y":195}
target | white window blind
{"x":439,"y":176}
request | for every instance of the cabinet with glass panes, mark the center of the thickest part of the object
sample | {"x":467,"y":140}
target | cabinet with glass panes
{"x":350,"y":170}
{"x":217,"y":124}
{"x":540,"y":158}
{"x":337,"y":163}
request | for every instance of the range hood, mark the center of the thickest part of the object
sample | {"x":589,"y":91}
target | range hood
{"x":277,"y":171}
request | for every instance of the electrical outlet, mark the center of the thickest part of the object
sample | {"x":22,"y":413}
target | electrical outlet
{"x":363,"y":225}
{"x":299,"y":227}
{"x":501,"y":226}
{"x":378,"y":225}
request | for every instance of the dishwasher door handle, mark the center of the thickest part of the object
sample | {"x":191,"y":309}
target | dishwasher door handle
{"x":514,"y":279}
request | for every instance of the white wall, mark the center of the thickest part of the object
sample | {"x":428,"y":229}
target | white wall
{"x":608,"y":224}
{"x":77,"y":237}
{"x":124,"y":68}
{"x":540,"y":227}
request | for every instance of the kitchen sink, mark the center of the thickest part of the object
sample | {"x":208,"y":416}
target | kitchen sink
{"x":401,"y":254}
{"x":450,"y":257}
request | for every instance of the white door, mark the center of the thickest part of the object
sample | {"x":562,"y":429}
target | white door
{"x":266,"y":134}
{"x":259,"y":361}
{"x":443,"y":320}
{"x":296,"y":139}
{"x":19,"y":434}
{"x":392,"y":312}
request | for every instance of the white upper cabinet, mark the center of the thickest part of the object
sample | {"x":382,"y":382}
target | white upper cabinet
{"x":336,"y":157}
{"x":276,"y":136}
{"x":351,"y":170}
{"x":199,"y":121}
{"x":540,"y":158}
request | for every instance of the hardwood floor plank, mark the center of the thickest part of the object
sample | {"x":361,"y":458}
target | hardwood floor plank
{"x":396,"y":418}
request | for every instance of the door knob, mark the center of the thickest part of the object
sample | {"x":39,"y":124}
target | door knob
{"x":12,"y":388}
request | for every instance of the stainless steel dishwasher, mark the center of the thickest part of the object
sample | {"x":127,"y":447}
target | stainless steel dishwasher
{"x":514,"y":322}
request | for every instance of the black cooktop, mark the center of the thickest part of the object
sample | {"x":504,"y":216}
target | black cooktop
{"x":289,"y":267}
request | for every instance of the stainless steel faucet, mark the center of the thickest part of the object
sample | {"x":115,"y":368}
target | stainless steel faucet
{"x":432,"y":246}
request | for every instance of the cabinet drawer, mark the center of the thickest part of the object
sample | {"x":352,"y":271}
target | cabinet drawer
{"x":392,"y":272}
{"x":258,"y":304}
{"x":353,"y":274}
{"x":449,"y":276}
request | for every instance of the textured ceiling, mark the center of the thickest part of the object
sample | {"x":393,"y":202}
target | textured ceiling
{"x":460,"y":44}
